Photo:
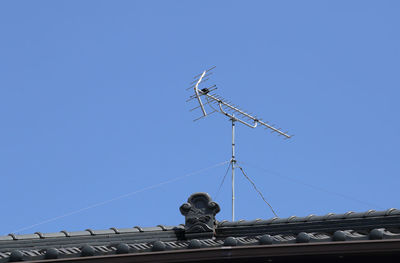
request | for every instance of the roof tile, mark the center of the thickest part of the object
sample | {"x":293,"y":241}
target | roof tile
{"x":50,"y":235}
{"x":128,"y":230}
{"x":146,"y":229}
{"x":27,"y":236}
{"x":356,"y":215}
{"x":393,"y":211}
{"x":299,"y":219}
{"x":3,"y":238}
{"x":79,"y":233}
{"x":102,"y":232}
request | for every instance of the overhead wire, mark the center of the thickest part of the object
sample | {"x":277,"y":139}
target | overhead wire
{"x":318,"y":188}
{"x":119,"y":197}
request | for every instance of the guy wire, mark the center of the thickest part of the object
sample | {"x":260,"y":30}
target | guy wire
{"x":258,"y":191}
{"x":119,"y":197}
{"x":223,"y":180}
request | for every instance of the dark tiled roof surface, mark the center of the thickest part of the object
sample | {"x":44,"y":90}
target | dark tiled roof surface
{"x":370,"y":225}
{"x":312,"y":218}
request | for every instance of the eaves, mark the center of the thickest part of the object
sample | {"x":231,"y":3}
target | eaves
{"x":261,"y":253}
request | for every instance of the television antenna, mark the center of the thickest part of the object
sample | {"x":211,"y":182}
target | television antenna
{"x":235,"y":114}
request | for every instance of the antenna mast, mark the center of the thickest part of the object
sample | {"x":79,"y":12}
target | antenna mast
{"x":233,"y":162}
{"x":234,"y":113}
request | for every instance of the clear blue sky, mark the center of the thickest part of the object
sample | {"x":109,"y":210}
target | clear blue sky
{"x":92,"y":103}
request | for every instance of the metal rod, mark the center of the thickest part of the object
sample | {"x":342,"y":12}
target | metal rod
{"x":256,"y":120}
{"x":196,"y":91}
{"x":232,"y":117}
{"x":206,"y":71}
{"x":203,"y":77}
{"x":211,"y":88}
{"x":204,"y":116}
{"x":233,"y":161}
{"x":204,"y":80}
{"x":192,"y":109}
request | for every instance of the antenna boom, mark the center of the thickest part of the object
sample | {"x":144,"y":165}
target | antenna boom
{"x":256,"y":120}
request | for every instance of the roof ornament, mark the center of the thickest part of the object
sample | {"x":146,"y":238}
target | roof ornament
{"x":199,"y":212}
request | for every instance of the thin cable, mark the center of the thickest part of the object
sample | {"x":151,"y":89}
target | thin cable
{"x":368,"y":204}
{"x":223,"y":180}
{"x":119,"y":197}
{"x":258,"y":191}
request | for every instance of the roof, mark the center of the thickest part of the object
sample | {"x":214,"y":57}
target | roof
{"x":202,"y":233}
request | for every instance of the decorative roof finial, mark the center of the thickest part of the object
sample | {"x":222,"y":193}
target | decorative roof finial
{"x":199,"y":212}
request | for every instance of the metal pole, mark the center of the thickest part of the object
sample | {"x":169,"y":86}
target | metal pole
{"x":233,"y":161}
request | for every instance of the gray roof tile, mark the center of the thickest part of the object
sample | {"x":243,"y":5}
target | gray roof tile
{"x":147,"y":229}
{"x":5,"y":238}
{"x":393,"y":211}
{"x":26,"y":236}
{"x":50,"y":235}
{"x":166,"y":228}
{"x":127,"y":230}
{"x":102,"y":232}
{"x":356,"y":215}
{"x":350,"y":226}
{"x":79,"y":233}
